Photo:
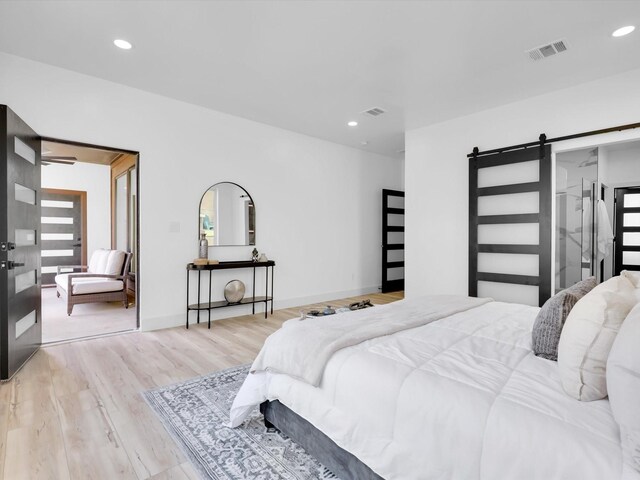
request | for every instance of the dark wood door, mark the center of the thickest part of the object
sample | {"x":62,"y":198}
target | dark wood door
{"x":627,"y":239}
{"x":20,"y":307}
{"x":63,"y":238}
{"x":392,"y":241}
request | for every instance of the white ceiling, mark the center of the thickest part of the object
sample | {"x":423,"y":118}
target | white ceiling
{"x":311,"y":66}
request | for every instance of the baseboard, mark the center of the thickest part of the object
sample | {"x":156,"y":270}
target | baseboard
{"x":170,"y":321}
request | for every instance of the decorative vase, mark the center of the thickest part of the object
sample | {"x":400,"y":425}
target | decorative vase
{"x":204,"y":247}
{"x":254,"y":255}
{"x":263,"y":258}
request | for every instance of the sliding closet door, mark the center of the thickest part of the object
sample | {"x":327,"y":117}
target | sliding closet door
{"x":510,"y":226}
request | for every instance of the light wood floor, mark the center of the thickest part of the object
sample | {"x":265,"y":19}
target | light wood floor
{"x":76,"y":410}
{"x":86,"y":319}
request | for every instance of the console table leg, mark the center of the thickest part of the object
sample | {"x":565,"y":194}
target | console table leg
{"x":266,"y":291}
{"x":209,"y":310}
{"x":187,"y":298}
{"x":198,"y":296}
{"x":272,"y":290}
{"x":253,"y":289}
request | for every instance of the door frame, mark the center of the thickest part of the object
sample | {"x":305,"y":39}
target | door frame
{"x":137,"y":164}
{"x":121,"y":166}
{"x":83,"y":215}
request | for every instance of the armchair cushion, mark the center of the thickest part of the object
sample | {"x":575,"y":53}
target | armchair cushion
{"x":109,"y":262}
{"x":82,"y":286}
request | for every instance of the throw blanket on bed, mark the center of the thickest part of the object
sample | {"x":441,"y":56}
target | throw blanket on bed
{"x":302,"y":349}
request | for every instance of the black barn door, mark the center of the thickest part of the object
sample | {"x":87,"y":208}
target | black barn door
{"x":489,"y":239}
{"x":627,"y":239}
{"x":20,"y":304}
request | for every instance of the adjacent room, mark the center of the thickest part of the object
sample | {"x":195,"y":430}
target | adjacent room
{"x":310,"y":240}
{"x":88,"y":210}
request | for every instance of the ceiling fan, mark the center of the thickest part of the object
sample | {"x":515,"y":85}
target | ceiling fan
{"x":60,"y":160}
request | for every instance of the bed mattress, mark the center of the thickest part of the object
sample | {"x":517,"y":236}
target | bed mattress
{"x":460,"y":398}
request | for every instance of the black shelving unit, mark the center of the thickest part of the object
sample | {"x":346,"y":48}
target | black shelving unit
{"x":209,"y":305}
{"x":396,"y":284}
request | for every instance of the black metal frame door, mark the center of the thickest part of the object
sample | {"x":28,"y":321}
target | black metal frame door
{"x":542,"y":218}
{"x":621,"y":228}
{"x":395,"y":284}
{"x":20,"y":308}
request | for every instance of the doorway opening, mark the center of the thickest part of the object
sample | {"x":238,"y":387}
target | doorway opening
{"x":89,"y":240}
{"x":597,"y":212}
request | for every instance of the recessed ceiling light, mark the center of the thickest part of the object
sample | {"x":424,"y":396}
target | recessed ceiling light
{"x":123,"y":44}
{"x":621,"y":32}
{"x":352,"y":123}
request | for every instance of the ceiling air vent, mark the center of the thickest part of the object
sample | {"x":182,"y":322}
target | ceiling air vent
{"x":374,"y":112}
{"x":549,"y":50}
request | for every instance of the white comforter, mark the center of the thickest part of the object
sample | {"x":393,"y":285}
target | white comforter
{"x":303,"y":349}
{"x":459,"y":398}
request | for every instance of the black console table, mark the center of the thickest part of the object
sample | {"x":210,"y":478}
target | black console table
{"x":221,"y":304}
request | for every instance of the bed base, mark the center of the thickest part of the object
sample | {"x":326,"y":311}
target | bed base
{"x":342,"y":463}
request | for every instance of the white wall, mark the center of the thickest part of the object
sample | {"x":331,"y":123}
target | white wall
{"x":96,"y":181}
{"x":317,"y":203}
{"x":624,"y":166}
{"x":437,"y":168}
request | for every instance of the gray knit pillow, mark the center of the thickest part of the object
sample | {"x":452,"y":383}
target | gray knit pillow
{"x":580,"y":289}
{"x":550,"y":320}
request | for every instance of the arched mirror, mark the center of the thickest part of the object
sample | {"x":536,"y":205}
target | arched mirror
{"x":227,"y":215}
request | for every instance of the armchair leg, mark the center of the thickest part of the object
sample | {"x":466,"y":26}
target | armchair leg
{"x":69,"y":309}
{"x":58,"y":294}
{"x":125,"y":300}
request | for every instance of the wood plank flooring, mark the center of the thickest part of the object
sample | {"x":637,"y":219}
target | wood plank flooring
{"x":75,"y":411}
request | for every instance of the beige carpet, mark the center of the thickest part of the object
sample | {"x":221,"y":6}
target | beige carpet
{"x":86,"y":320}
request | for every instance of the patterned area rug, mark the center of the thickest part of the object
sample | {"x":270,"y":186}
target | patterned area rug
{"x":196,"y":413}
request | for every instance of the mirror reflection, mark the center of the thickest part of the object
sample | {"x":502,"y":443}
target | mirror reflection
{"x":227,"y":215}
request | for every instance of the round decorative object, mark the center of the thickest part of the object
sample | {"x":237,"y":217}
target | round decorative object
{"x":234,"y":291}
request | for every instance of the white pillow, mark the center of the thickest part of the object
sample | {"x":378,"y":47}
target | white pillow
{"x":98,"y":261}
{"x":623,"y":383}
{"x":587,"y":337}
{"x":632,"y":276}
{"x":115,"y":261}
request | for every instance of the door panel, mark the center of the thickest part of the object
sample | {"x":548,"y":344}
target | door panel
{"x":515,"y":237}
{"x":627,"y":239}
{"x":63,"y":236}
{"x":392,"y":240}
{"x":20,"y":319}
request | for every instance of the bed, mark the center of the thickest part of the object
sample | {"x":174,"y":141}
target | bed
{"x":456,"y":395}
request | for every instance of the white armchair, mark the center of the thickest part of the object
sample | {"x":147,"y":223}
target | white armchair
{"x":103,"y":280}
